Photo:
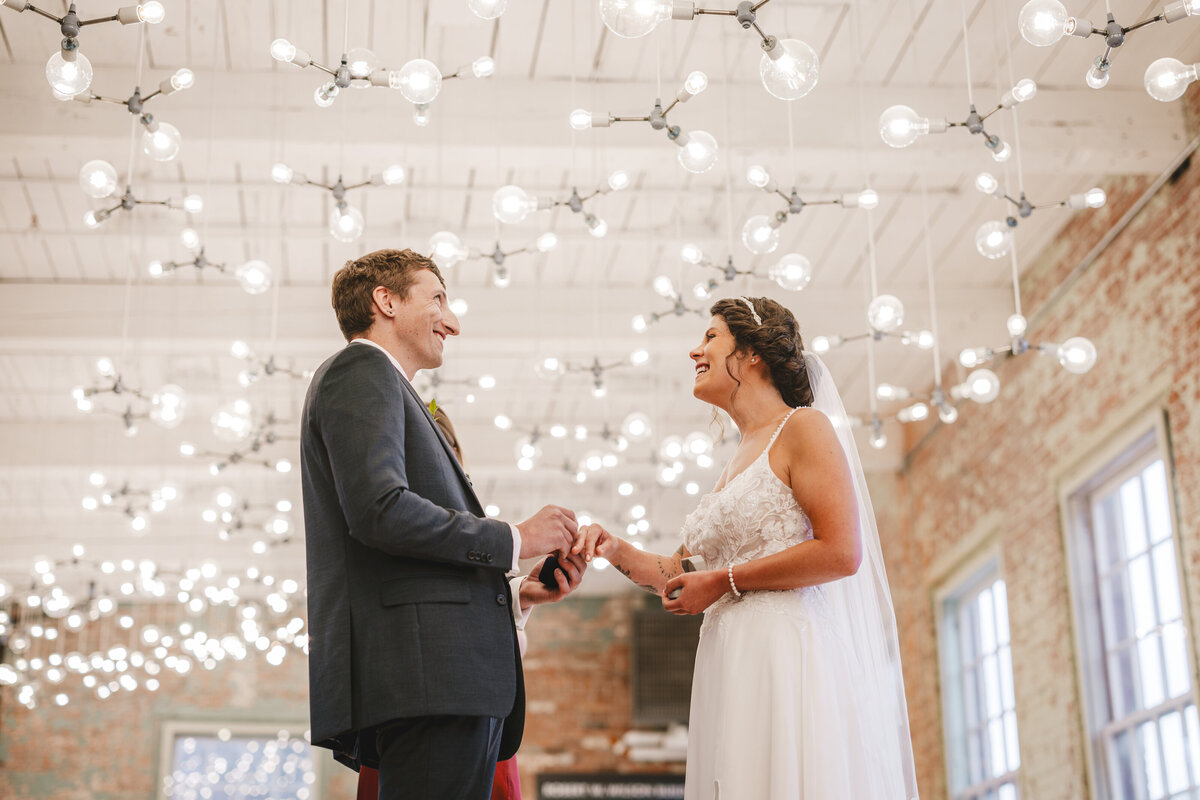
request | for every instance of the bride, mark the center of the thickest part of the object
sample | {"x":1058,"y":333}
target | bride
{"x":797,"y":689}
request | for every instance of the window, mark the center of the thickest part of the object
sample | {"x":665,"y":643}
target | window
{"x":981,"y":721}
{"x":1133,"y":636}
{"x":235,"y":762}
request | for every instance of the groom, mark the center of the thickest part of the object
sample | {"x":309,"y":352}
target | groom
{"x":413,"y":662}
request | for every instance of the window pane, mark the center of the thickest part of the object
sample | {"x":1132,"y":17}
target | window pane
{"x":1148,"y":740}
{"x":1158,"y":509}
{"x":987,"y":623}
{"x":1166,"y":579}
{"x":991,"y":687}
{"x":1174,"y":639}
{"x":1118,"y":617}
{"x":1010,"y":741}
{"x":1000,"y":593}
{"x":975,"y":756}
{"x":1141,"y":590}
{"x":1121,"y":683}
{"x":971,"y":698}
{"x":1193,"y":740}
{"x":1133,"y":524}
{"x":1174,"y":754}
{"x":1007,"y":792}
{"x":998,"y":764}
{"x":1006,"y":678}
{"x":968,"y":627}
{"x":1105,"y":532}
{"x":1150,"y":667}
{"x":1121,"y":766}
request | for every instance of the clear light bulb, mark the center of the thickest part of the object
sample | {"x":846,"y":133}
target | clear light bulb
{"x":580,"y":119}
{"x":899,"y":126}
{"x":1043,"y":22}
{"x":193,"y":204}
{"x":183,"y":78}
{"x":546,"y":242}
{"x":189,"y":238}
{"x":618,"y":180}
{"x":167,"y":407}
{"x":597,"y":227}
{"x":254,"y":276}
{"x":510,"y":204}
{"x":885,"y":313}
{"x":421,"y":115}
{"x":446,"y":249}
{"x":695,"y":83}
{"x":878,"y":439}
{"x":1002,"y":153}
{"x":972,"y":356}
{"x":986,"y":183}
{"x":325,"y":94}
{"x":1095,"y":197}
{"x":759,"y":236}
{"x":346,"y":225}
{"x":792,"y":272}
{"x":69,"y":77}
{"x":283,"y":50}
{"x":98,"y":179}
{"x":691,"y":253}
{"x":1096,"y":78}
{"x":631,"y":19}
{"x":419,"y":81}
{"x":701,"y":291}
{"x":868,"y":199}
{"x":487,"y":9}
{"x":1017,"y":325}
{"x":361,"y":62}
{"x":1168,"y":78}
{"x":282,"y":173}
{"x":947,"y":413}
{"x":1077,"y":355}
{"x":483,"y":67}
{"x":151,"y":12}
{"x":983,"y":386}
{"x":790,"y":70}
{"x":758,"y":175}
{"x":699,"y":153}
{"x":993,"y":239}
{"x":640,"y":323}
{"x":460,"y":308}
{"x":162,"y":143}
{"x":393,"y":175}
{"x":663,"y":286}
{"x":1024,"y":90}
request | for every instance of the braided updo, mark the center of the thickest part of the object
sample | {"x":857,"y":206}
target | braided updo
{"x":777,"y":341}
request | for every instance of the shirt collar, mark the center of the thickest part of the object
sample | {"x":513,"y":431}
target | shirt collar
{"x":392,"y":358}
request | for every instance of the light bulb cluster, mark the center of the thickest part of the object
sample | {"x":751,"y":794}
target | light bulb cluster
{"x":136,"y":504}
{"x":900,"y":125}
{"x":697,"y":149}
{"x":164,"y":407}
{"x":345,"y":221}
{"x":254,"y":276}
{"x":98,"y":180}
{"x":994,"y":240}
{"x":1076,"y":355}
{"x":433,"y":383}
{"x":268,"y":524}
{"x":234,"y":422}
{"x":792,"y":272}
{"x":885,"y":318}
{"x":665,"y":288}
{"x":447,"y":249}
{"x":529,"y":453}
{"x":1044,"y":22}
{"x":552,"y":367}
{"x":160,"y":140}
{"x":68,"y":71}
{"x":258,"y":367}
{"x":761,"y":233}
{"x":789,"y":68}
{"x":511,"y":204}
{"x":141,"y":625}
{"x":419,"y":80}
{"x":675,"y":452}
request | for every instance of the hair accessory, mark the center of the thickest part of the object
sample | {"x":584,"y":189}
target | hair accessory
{"x":753,"y":313}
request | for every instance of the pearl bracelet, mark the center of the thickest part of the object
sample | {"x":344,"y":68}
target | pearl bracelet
{"x":733,"y":585}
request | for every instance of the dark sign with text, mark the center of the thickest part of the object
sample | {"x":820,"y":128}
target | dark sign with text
{"x":625,"y":787}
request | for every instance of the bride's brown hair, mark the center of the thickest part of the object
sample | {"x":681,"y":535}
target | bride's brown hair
{"x":776,"y":340}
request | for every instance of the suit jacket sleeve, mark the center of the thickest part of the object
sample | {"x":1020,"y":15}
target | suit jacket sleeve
{"x":362,"y":422}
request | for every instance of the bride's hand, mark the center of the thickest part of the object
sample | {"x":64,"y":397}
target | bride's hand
{"x":592,"y":541}
{"x":699,"y":591}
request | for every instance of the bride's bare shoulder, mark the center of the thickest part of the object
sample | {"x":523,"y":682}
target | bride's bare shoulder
{"x":807,"y":430}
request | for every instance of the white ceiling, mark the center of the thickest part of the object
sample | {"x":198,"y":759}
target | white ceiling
{"x":69,"y":295}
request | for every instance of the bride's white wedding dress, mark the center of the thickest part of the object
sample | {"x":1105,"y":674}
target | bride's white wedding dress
{"x":776,"y":709}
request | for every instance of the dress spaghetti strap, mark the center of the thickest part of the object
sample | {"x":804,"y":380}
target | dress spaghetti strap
{"x":779,"y":430}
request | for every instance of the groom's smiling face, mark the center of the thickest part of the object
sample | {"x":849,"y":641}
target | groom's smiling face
{"x":714,"y":361}
{"x":424,"y":320}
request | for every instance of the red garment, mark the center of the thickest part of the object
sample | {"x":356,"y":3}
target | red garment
{"x":506,"y":786}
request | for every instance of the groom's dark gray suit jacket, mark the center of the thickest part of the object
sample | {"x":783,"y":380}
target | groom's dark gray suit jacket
{"x":408,"y":605}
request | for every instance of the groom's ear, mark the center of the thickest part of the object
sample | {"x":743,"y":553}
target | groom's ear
{"x":383,"y":299}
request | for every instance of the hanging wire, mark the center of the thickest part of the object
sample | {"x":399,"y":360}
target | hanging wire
{"x":962,"y":7}
{"x":933,"y":324}
{"x":1012,"y":81}
{"x":131,"y":269}
{"x":728,"y":159}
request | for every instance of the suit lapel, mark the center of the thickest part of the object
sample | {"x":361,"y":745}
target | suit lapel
{"x":437,"y":431}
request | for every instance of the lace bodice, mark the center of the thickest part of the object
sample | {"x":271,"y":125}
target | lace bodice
{"x":754,"y":515}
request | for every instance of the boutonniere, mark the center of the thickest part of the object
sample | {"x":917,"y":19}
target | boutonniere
{"x":433,"y":407}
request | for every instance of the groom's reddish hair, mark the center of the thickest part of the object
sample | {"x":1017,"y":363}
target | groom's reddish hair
{"x":354,"y":283}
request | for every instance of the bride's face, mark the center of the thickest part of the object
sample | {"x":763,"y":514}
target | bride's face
{"x":715,"y":361}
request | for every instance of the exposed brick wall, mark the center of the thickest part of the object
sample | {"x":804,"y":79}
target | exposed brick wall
{"x":1140,"y":304}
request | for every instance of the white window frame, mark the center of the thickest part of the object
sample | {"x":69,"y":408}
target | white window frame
{"x":1141,"y":437}
{"x":965,"y":580}
{"x":173,"y":728}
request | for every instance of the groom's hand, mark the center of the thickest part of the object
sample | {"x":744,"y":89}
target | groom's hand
{"x":568,"y":576}
{"x":551,"y":530}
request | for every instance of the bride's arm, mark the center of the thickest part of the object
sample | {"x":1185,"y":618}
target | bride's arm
{"x":820,"y":481}
{"x":650,"y":571}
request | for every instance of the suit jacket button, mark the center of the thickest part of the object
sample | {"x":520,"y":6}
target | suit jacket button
{"x":471,"y":554}
{"x":501,"y":600}
{"x":489,"y":558}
